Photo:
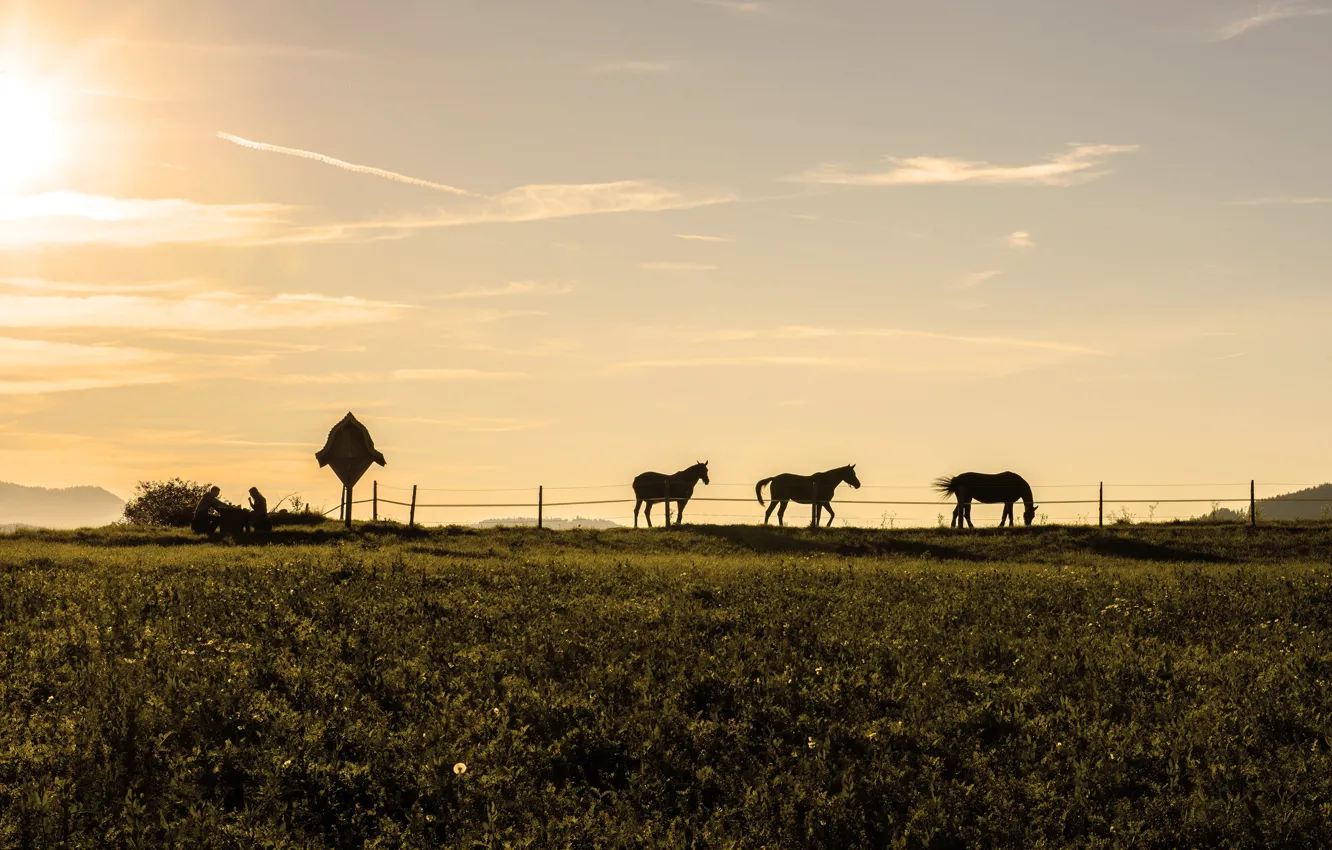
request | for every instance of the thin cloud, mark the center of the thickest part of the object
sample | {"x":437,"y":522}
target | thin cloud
{"x":471,"y":424}
{"x":1020,"y":240}
{"x":757,"y":360}
{"x":748,"y":7}
{"x":234,"y":50}
{"x":454,"y":375}
{"x":549,"y":202}
{"x":970,"y":281}
{"x":42,"y":285}
{"x":213,"y":311}
{"x":632,"y":66}
{"x":698,"y":237}
{"x":1265,"y":15}
{"x":72,"y":218}
{"x":517,"y":287}
{"x":1288,"y":201}
{"x":677,"y":267}
{"x":535,"y":202}
{"x":1078,"y":165}
{"x":346,"y":166}
{"x":814,"y":332}
{"x":33,"y":367}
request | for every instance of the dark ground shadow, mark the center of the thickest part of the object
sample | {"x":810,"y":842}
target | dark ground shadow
{"x":766,"y":539}
{"x":1142,"y":550}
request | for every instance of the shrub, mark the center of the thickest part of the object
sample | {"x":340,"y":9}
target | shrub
{"x":164,"y":503}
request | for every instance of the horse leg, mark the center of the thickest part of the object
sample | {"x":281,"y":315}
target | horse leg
{"x":647,"y":512}
{"x":768,"y":515}
{"x":957,"y":516}
{"x":679,"y":511}
{"x":966,"y":513}
{"x":1007,"y":515}
{"x":637,"y":505}
{"x":831,"y":515}
{"x":781,"y":513}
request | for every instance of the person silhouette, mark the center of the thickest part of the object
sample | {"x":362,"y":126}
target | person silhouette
{"x":258,"y":519}
{"x":205,"y":521}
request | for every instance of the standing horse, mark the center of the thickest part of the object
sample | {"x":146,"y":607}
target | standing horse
{"x":816,"y":490}
{"x":679,"y":488}
{"x":988,"y":489}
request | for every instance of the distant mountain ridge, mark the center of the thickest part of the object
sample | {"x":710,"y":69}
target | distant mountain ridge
{"x":69,"y":507}
{"x":548,"y":522}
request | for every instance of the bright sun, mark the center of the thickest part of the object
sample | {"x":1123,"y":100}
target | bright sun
{"x":30,"y":139}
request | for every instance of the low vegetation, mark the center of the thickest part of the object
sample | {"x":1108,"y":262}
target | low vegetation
{"x":1137,"y":686}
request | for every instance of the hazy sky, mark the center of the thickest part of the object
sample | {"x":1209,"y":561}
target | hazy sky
{"x":564,"y":242}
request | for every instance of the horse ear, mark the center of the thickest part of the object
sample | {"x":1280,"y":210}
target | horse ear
{"x":853,"y":466}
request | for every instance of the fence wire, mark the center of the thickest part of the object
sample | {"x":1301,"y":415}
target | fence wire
{"x":394,"y":505}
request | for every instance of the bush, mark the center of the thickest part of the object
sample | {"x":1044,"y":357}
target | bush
{"x":164,"y":503}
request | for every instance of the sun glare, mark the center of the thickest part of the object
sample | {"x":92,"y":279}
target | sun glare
{"x":30,"y":138}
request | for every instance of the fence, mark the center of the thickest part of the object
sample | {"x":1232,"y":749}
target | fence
{"x":537,"y":502}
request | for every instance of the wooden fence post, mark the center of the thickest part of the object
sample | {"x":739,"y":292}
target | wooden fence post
{"x":666,"y":502}
{"x":1253,"y":507}
{"x":541,"y":507}
{"x":1100,"y":506}
{"x":411,"y":515}
{"x":350,"y":498}
{"x":374,"y":502}
{"x":814,"y":504}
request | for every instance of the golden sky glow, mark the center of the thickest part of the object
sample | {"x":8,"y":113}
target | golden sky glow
{"x":562,"y":244}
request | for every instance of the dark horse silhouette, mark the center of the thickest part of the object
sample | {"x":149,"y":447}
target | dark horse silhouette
{"x":988,"y":489}
{"x":679,"y":488}
{"x":816,"y":489}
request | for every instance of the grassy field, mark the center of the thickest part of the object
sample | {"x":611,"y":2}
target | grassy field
{"x":1137,"y":686}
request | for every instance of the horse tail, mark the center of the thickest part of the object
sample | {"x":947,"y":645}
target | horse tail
{"x":758,"y":488}
{"x":946,"y":486}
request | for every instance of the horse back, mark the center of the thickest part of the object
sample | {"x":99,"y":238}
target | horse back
{"x":652,"y":485}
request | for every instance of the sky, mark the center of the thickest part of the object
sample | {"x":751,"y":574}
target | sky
{"x":562,"y":243}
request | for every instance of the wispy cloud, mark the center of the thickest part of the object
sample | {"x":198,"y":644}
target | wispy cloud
{"x":1264,"y":15}
{"x":815,"y":333}
{"x":1312,"y":200}
{"x":43,"y":285}
{"x":756,"y":360}
{"x":698,"y":237}
{"x":454,"y":375}
{"x":471,"y":424}
{"x":232,"y":50}
{"x":345,"y":166}
{"x":633,"y":66}
{"x":30,"y":367}
{"x":212,"y":311}
{"x":70,"y":218}
{"x":748,"y":7}
{"x":517,"y":287}
{"x":1020,"y":239}
{"x":677,"y":267}
{"x":548,"y":202}
{"x":974,"y":279}
{"x":1078,"y":165}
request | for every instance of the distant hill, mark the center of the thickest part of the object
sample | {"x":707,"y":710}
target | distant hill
{"x":1286,"y":506}
{"x":71,"y":507}
{"x":548,"y":522}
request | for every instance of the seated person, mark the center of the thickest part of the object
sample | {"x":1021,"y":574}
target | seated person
{"x":205,"y":521}
{"x":258,"y":518}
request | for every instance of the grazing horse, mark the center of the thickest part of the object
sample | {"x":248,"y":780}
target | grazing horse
{"x":679,"y":488}
{"x":816,"y":490}
{"x":988,"y":489}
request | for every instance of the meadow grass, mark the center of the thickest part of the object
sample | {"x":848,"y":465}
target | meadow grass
{"x":1163,"y":686}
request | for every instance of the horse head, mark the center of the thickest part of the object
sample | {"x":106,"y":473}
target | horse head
{"x":702,"y":468}
{"x":850,"y":477}
{"x":1029,"y":514}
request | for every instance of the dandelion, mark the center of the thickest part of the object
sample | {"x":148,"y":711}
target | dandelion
{"x":497,"y":712}
{"x":812,"y":745}
{"x":460,"y":768}
{"x":818,"y":671}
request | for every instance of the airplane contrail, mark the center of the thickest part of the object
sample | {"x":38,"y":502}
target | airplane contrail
{"x":347,"y":166}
